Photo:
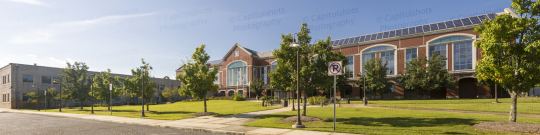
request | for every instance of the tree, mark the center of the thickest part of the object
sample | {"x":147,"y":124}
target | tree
{"x":426,"y":78}
{"x":197,"y":80}
{"x":514,"y":39}
{"x":256,"y":86}
{"x":375,"y":76}
{"x":166,"y":77}
{"x":168,"y":93}
{"x":133,"y":86}
{"x":314,"y":60}
{"x":101,"y":86}
{"x":76,"y":76}
{"x":51,"y":94}
{"x":36,"y":96}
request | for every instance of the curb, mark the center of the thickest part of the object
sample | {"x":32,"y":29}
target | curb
{"x":140,"y":124}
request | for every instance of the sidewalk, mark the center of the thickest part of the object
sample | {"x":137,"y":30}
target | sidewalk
{"x":223,"y":125}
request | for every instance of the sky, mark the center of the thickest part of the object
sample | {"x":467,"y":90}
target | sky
{"x":117,"y":34}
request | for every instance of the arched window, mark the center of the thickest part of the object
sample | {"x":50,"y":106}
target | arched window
{"x":463,"y":50}
{"x":241,"y":92}
{"x":274,"y":66}
{"x":387,"y":54}
{"x":222,"y":93}
{"x":231,"y":93}
{"x":235,"y":72}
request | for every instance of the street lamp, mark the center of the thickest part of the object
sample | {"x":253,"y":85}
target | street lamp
{"x":294,"y":44}
{"x":39,"y":103}
{"x":92,"y":88}
{"x":142,"y":79}
{"x":60,"y":109}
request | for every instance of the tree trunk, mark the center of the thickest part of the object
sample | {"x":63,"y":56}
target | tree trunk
{"x":513,"y":106}
{"x":147,"y":108}
{"x":204,"y":99}
{"x":81,"y":104}
{"x":305,"y":103}
{"x":293,"y":105}
{"x":382,"y":93}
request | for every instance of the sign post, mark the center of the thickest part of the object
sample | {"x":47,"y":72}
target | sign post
{"x":334,"y":69}
{"x":110,"y":93}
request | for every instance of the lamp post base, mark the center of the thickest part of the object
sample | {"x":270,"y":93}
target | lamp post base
{"x":364,"y":101}
{"x":298,"y":126}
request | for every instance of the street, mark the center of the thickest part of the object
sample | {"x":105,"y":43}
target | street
{"x":23,"y":124}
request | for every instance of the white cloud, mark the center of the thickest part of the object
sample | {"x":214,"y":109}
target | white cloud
{"x":31,"y":2}
{"x":57,"y":61}
{"x":32,"y":56}
{"x":105,"y":18}
{"x":34,"y":37}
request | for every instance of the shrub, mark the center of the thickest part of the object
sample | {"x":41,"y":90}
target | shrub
{"x":317,"y":100}
{"x":238,"y":97}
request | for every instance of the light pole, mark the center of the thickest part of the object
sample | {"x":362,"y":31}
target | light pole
{"x":39,"y":102}
{"x":142,"y":79}
{"x":294,"y":44}
{"x":45,"y":95}
{"x":92,"y":88}
{"x":60,"y":109}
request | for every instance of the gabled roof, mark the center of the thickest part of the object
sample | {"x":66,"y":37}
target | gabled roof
{"x":265,"y":54}
{"x":249,"y":51}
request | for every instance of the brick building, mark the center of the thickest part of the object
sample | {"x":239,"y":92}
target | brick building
{"x":453,"y":39}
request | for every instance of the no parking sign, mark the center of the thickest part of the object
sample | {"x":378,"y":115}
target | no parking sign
{"x":335,"y":68}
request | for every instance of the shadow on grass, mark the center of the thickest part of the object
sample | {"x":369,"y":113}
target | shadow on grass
{"x":273,"y":116}
{"x":404,"y":121}
{"x":173,"y":112}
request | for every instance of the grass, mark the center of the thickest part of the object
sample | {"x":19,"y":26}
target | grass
{"x":387,"y":121}
{"x":175,"y":111}
{"x":524,"y":105}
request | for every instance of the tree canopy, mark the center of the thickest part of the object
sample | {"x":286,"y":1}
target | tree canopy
{"x":314,"y":60}
{"x":101,"y":86}
{"x":256,"y":86}
{"x":77,"y":77}
{"x":197,"y":80}
{"x":511,"y":50}
{"x":134,"y":85}
{"x":375,"y":76}
{"x":427,"y":75}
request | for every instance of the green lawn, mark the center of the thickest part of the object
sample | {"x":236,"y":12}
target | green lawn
{"x":387,"y":121}
{"x":175,"y":111}
{"x":524,"y":105}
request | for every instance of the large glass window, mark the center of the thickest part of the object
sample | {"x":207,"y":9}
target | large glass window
{"x":388,"y":57}
{"x":46,"y":79}
{"x":365,"y":58}
{"x":410,"y":54}
{"x":236,"y":72}
{"x":217,"y":76}
{"x":264,"y":73}
{"x":438,"y":49}
{"x":57,"y":77}
{"x":349,"y":68}
{"x":463,"y":55}
{"x":449,"y":39}
{"x":28,"y":78}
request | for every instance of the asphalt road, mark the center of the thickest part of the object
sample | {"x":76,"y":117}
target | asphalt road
{"x":27,"y":124}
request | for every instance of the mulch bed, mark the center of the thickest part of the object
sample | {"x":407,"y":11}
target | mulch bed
{"x":516,"y":127}
{"x":204,"y":114}
{"x":302,"y":118}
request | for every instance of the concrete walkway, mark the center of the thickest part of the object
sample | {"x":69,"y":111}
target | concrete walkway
{"x":438,"y":110}
{"x":224,"y":125}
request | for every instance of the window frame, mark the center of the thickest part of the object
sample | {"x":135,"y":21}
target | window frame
{"x":472,"y":38}
{"x":394,"y":48}
{"x":243,"y":69}
{"x":23,"y":78}
{"x":454,"y":56}
{"x":351,"y":64}
{"x":405,"y":55}
{"x":50,"y":79}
